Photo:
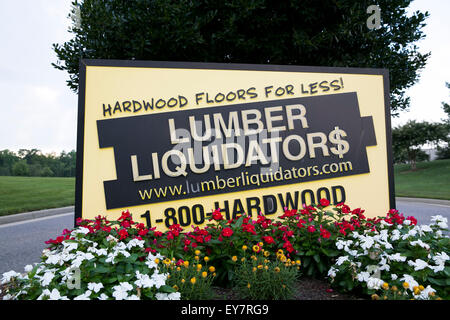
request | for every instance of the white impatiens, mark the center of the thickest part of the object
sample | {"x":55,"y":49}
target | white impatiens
{"x":83,"y":267}
{"x":378,"y":258}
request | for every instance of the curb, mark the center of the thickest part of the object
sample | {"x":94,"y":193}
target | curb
{"x":424,"y":200}
{"x":34,"y":214}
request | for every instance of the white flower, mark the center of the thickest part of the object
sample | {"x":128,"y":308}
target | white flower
{"x":28,"y":268}
{"x":426,"y":228}
{"x":56,"y":295}
{"x":441,"y":258}
{"x":424,"y":294}
{"x":394,"y":276}
{"x":420,"y":243}
{"x":410,"y":281}
{"x":437,"y":268}
{"x":170,"y":296}
{"x":397,"y":257}
{"x":8,"y":275}
{"x":95,"y":286}
{"x":418,"y":264}
{"x":367,"y":242}
{"x":84,"y":296}
{"x":143,"y":280}
{"x":121,"y":291}
{"x":395,"y":235}
{"x":374,"y":283}
{"x":159,"y":279}
{"x":103,"y":297}
{"x":47,"y":278}
{"x":440,"y":221}
{"x":80,"y":230}
{"x":341,"y":260}
{"x":135,"y":243}
{"x":363,"y":276}
{"x":332,"y":272}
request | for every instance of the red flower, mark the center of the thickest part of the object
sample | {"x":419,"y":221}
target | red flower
{"x":412,"y":219}
{"x":249,"y":228}
{"x":216,"y":215}
{"x":324,"y":233}
{"x":288,"y":246}
{"x":311,"y":229}
{"x":324,"y":202}
{"x":268,"y":239}
{"x":123,"y":234}
{"x":227,"y":232}
{"x":125,"y":215}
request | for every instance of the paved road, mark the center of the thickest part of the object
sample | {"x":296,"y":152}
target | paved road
{"x":21,"y":243}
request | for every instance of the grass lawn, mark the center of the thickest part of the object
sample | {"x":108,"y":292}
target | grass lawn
{"x":430,"y":180}
{"x":23,"y":194}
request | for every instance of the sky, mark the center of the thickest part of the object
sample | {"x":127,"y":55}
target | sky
{"x":38,"y":110}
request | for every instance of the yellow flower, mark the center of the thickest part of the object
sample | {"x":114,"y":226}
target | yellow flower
{"x":212,"y":269}
{"x":254,"y":258}
{"x":206,"y":259}
{"x":276,"y":269}
{"x":394,"y":288}
{"x":193,"y":280}
{"x":255,"y":248}
{"x":266,"y":267}
{"x":204,"y":274}
{"x":280,"y":252}
{"x":284,"y":286}
{"x":176,"y":287}
{"x":298,"y":262}
{"x":260,"y":266}
{"x":234,"y":258}
{"x":261,"y":244}
{"x":421,"y":288}
{"x":214,"y":274}
{"x":197,"y":252}
{"x":405,"y":285}
{"x":385,"y":286}
{"x":157,"y":261}
{"x":178,"y":268}
{"x":244,"y":247}
{"x":199,"y":267}
{"x":196,"y":258}
{"x":266,"y":253}
{"x":254,"y":269}
{"x":375,"y":297}
{"x":243,"y":259}
{"x":416,"y":290}
{"x":183,"y":281}
{"x":166,"y":261}
{"x":186,"y":263}
{"x":248,"y":285}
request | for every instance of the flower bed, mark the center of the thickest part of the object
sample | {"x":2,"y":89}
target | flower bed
{"x":386,"y":257}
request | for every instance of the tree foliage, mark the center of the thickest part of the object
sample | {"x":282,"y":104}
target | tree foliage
{"x":308,"y":32}
{"x":33,"y":163}
{"x":407,"y":139}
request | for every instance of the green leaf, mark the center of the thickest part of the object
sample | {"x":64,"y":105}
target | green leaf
{"x":316,"y":258}
{"x":167,"y":289}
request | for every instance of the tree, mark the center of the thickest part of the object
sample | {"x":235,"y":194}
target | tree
{"x":314,"y":33}
{"x":20,"y":168}
{"x":444,"y":152}
{"x":407,"y":139}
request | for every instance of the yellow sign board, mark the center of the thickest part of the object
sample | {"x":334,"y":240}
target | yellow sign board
{"x":172,"y":141}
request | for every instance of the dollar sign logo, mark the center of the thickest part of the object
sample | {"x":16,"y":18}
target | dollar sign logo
{"x":335,"y":137}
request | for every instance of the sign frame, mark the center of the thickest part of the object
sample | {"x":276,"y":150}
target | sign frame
{"x":84,"y":63}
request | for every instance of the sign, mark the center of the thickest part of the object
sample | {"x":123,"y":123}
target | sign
{"x":173,"y":141}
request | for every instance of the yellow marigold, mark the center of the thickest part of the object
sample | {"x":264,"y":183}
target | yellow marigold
{"x":199,"y":266}
{"x":242,"y":259}
{"x":178,"y":268}
{"x":298,"y":262}
{"x":277,"y":269}
{"x":260,"y":244}
{"x":249,"y":285}
{"x":197,"y":252}
{"x":253,"y":258}
{"x":214,"y":274}
{"x":394,"y":288}
{"x":196,"y":258}
{"x":186,"y":263}
{"x":183,"y":281}
{"x":266,"y":267}
{"x":416,"y":290}
{"x":280,"y":251}
{"x":244,"y":247}
{"x":212,"y":269}
{"x":204,"y":274}
{"x":385,"y":286}
{"x":234,"y":258}
{"x":254,"y":269}
{"x":206,"y":259}
{"x":193,"y":280}
{"x":260,"y":266}
{"x":166,"y":261}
